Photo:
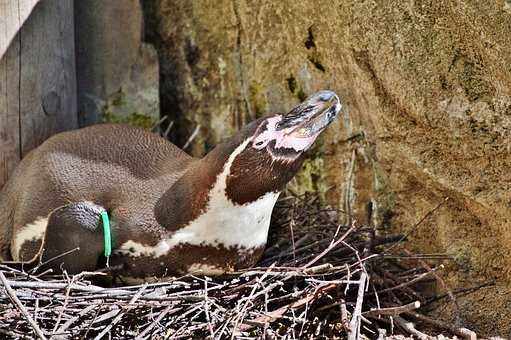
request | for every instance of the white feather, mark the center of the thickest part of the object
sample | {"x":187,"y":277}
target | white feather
{"x":33,"y":231}
{"x":223,"y":223}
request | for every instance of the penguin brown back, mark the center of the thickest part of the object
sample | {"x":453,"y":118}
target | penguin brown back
{"x":170,"y":213}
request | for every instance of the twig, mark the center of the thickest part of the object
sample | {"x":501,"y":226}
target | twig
{"x":410,"y":328}
{"x":119,"y":316}
{"x":192,"y":137}
{"x":62,"y":309}
{"x":206,"y":309}
{"x":12,"y":294}
{"x":393,"y":310}
{"x":19,"y":272}
{"x":460,"y":331}
{"x":441,"y":281}
{"x":354,"y":330}
{"x":322,"y":268}
{"x":159,"y":122}
{"x":344,"y":315}
{"x":40,"y":264}
{"x":242,"y":312}
{"x":167,"y":130}
{"x":161,"y":315}
{"x":330,"y":247}
{"x":462,"y":291}
{"x":307,"y":298}
{"x":291,"y":230}
{"x":72,"y":320}
{"x":411,"y":282}
{"x":276,"y":314}
{"x":59,"y":285}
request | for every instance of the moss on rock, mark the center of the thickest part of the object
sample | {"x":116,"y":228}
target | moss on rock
{"x":114,"y":111}
{"x":134,"y":119}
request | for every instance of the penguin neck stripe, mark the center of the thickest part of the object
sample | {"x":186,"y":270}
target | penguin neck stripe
{"x":107,"y":236}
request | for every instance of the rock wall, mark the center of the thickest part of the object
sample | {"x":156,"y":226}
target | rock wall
{"x":117,"y":72}
{"x":427,"y":93}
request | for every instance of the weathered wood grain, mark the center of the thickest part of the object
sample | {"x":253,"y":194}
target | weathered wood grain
{"x":47,"y":73}
{"x":37,"y":77}
{"x":9,"y":92}
{"x":13,"y":14}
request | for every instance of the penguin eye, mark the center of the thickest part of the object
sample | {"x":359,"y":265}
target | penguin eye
{"x":260,"y":144}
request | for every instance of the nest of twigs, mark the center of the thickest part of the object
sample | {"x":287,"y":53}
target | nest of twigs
{"x":317,"y":279}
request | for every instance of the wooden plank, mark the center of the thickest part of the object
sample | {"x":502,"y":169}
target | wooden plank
{"x":37,"y":77}
{"x":47,"y":73}
{"x":9,"y":23}
{"x":9,"y":92}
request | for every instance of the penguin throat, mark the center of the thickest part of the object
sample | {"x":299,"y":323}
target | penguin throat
{"x":223,"y":222}
{"x":284,"y":144}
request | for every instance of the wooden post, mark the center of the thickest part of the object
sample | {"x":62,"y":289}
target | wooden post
{"x":37,"y":78}
{"x":12,"y":16}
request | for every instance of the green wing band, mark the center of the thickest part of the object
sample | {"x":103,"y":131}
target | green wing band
{"x":106,"y":233}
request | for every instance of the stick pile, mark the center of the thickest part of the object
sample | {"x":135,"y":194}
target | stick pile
{"x":324,"y":281}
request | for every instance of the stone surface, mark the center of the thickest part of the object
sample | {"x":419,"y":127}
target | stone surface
{"x":117,"y":73}
{"x":427,"y":87}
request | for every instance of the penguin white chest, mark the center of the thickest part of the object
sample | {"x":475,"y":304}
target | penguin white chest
{"x":230,"y":225}
{"x":222,"y":223}
{"x":225,"y":222}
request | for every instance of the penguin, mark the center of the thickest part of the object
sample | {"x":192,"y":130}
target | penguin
{"x":169,"y":213}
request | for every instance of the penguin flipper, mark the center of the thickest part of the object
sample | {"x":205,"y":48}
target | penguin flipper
{"x":73,"y":240}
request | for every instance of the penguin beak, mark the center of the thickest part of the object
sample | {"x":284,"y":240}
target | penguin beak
{"x":298,"y":129}
{"x":311,"y":117}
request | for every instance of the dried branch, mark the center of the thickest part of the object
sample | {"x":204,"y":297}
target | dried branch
{"x":392,"y":310}
{"x":410,"y":328}
{"x":192,"y":137}
{"x":301,"y":289}
{"x":12,"y":295}
{"x":460,"y":331}
{"x":120,"y":314}
{"x":411,"y":282}
{"x":357,"y":314}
